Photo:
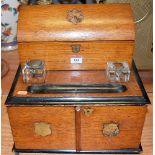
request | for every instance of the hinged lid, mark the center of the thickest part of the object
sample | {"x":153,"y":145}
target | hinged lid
{"x":75,"y":22}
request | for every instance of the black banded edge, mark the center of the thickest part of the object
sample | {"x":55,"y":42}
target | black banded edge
{"x":117,"y":151}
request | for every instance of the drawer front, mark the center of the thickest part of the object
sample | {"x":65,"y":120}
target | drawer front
{"x":111,"y":127}
{"x":77,"y":55}
{"x":43,"y":127}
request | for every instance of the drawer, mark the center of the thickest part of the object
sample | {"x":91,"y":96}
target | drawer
{"x":93,"y":55}
{"x":43,"y":127}
{"x":111,"y":127}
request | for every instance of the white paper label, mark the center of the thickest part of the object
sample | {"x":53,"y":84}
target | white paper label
{"x":22,"y":92}
{"x":76,"y":60}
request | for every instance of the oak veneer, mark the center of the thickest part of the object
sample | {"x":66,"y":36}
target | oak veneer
{"x":105,"y":34}
{"x":7,"y":141}
{"x":130,"y":120}
{"x":101,"y":22}
{"x":95,"y":55}
{"x":87,"y":132}
{"x":61,"y":119}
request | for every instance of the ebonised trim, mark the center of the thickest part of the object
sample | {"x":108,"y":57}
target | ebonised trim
{"x":140,"y":83}
{"x":10,"y":95}
{"x":76,"y":88}
{"x":117,"y":151}
{"x":128,"y":100}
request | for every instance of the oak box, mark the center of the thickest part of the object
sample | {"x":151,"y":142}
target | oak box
{"x":77,"y":122}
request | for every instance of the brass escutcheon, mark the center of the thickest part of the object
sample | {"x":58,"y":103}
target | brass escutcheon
{"x":88,"y":111}
{"x":75,"y":48}
{"x":110,"y":129}
{"x":42,"y":129}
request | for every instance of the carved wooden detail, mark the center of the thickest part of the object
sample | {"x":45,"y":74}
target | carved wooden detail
{"x":75,"y":16}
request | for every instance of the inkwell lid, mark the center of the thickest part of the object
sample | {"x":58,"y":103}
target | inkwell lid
{"x":35,"y":63}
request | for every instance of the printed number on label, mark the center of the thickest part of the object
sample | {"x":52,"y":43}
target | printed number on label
{"x":76,"y":60}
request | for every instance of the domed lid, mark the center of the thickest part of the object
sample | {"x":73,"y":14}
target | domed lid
{"x":75,"y":22}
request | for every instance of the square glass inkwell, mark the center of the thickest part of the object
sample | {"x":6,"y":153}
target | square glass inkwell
{"x":34,"y":71}
{"x":118,"y":71}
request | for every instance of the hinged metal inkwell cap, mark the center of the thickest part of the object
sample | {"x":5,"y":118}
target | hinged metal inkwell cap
{"x":35,"y":63}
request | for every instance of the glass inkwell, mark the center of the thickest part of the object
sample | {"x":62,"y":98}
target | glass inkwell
{"x":34,"y":71}
{"x":118,"y":71}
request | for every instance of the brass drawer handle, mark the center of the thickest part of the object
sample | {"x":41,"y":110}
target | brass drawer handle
{"x":88,"y":111}
{"x":42,"y":129}
{"x":76,"y":48}
{"x":111,"y":129}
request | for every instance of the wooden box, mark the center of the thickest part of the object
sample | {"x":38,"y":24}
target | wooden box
{"x":76,"y":122}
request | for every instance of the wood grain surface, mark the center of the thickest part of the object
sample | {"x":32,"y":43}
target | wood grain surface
{"x":49,"y":23}
{"x":95,"y":55}
{"x":6,"y":135}
{"x":60,"y":119}
{"x":7,"y":141}
{"x":78,"y":127}
{"x":130,"y":120}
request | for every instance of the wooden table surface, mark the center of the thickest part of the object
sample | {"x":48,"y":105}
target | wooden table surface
{"x":7,"y":141}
